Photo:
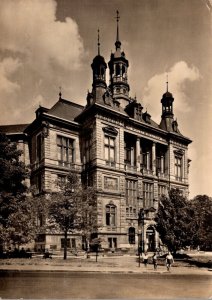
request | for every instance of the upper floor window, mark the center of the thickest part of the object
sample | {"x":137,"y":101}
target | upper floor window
{"x":110,"y":215}
{"x":178,"y":167}
{"x":162,"y":190}
{"x":39,"y":147}
{"x":109,"y":145}
{"x":160,"y":164}
{"x":129,"y":150}
{"x":147,"y":160}
{"x":148,"y":194}
{"x":131,"y":192}
{"x":87,"y":150}
{"x":65,"y":150}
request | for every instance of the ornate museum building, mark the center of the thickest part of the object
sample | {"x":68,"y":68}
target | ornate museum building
{"x":116,"y":147}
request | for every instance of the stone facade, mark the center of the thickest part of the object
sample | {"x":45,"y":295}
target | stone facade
{"x":125,"y":155}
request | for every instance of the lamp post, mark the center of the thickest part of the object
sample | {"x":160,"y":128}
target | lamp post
{"x":139,"y":247}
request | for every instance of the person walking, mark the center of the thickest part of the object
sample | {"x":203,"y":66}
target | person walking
{"x":145,"y":257}
{"x":169,"y":261}
{"x":154,"y":260}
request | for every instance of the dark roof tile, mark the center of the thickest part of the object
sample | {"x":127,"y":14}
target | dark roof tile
{"x":9,"y":129}
{"x":65,"y":109}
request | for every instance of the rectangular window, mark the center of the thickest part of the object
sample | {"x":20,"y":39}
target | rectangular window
{"x":109,"y":144}
{"x":129,"y":151}
{"x":112,"y":242}
{"x":131,"y":192}
{"x":65,"y":151}
{"x":162,"y":190}
{"x":148,"y":194}
{"x":110,"y":215}
{"x":39,"y":147}
{"x":178,"y":168}
{"x":87,"y":150}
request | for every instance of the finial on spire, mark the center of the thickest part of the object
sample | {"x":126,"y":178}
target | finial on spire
{"x":167,"y":82}
{"x":60,"y":93}
{"x":98,"y":44}
{"x":117,"y":19}
{"x":117,"y":43}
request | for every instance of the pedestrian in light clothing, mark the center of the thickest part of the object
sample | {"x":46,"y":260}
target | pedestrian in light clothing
{"x":169,"y":261}
{"x":154,"y":260}
{"x":145,"y":257}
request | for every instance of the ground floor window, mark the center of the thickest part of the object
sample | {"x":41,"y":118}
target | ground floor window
{"x":112,"y":242}
{"x":150,"y":238}
{"x":131,"y":235}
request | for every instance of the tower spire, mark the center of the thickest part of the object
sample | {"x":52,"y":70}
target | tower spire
{"x":117,"y":20}
{"x":98,"y":44}
{"x":117,"y":43}
{"x":167,"y":82}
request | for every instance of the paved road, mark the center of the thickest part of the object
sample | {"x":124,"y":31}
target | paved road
{"x":64,"y":285}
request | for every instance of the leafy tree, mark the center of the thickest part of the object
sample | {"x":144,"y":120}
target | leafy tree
{"x":72,"y":209}
{"x":201,"y":214}
{"x":173,"y":221}
{"x":16,"y":221}
{"x":63,"y":208}
{"x":88,"y":224}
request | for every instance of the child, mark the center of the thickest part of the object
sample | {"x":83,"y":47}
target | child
{"x":169,"y":261}
{"x":145,"y":258}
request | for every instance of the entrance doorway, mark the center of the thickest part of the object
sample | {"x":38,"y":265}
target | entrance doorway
{"x":150,"y":238}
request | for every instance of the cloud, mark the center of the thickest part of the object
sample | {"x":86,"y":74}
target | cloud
{"x":178,"y":77}
{"x":30,"y":28}
{"x":8,"y":66}
{"x":37,"y":54}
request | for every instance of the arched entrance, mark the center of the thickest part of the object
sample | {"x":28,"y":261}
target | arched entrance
{"x":150,"y":238}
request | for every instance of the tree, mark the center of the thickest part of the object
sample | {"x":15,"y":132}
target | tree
{"x":89,"y":222}
{"x":201,"y":214}
{"x":63,"y":207}
{"x":73,"y":209}
{"x":173,"y":221}
{"x":16,"y":220}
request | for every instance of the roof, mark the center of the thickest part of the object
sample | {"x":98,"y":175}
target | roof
{"x":13,"y":129}
{"x":66,"y":109}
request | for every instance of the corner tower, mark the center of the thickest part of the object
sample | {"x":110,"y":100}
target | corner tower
{"x":99,"y":85}
{"x":167,"y":116}
{"x":118,"y":66}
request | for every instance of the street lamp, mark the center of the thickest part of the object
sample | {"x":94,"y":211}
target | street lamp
{"x":139,"y":247}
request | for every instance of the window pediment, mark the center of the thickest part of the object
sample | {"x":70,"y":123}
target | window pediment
{"x":110,"y":130}
{"x":179,"y":152}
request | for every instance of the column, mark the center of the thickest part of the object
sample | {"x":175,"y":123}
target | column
{"x":147,"y":161}
{"x":153,"y":158}
{"x":138,"y":154}
{"x":162,"y":164}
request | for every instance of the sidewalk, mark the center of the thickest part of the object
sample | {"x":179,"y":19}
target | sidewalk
{"x":123,"y":264}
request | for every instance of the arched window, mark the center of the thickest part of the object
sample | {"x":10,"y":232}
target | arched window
{"x":110,"y":215}
{"x":118,"y":71}
{"x":131,"y":235}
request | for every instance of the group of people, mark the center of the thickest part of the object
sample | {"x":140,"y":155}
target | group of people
{"x":169,"y":260}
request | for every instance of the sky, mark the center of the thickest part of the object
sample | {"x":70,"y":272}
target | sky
{"x":47,"y":44}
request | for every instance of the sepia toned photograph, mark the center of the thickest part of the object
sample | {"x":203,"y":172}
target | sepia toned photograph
{"x":105,"y":149}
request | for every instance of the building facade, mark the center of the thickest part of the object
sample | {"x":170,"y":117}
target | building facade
{"x":116,"y":147}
